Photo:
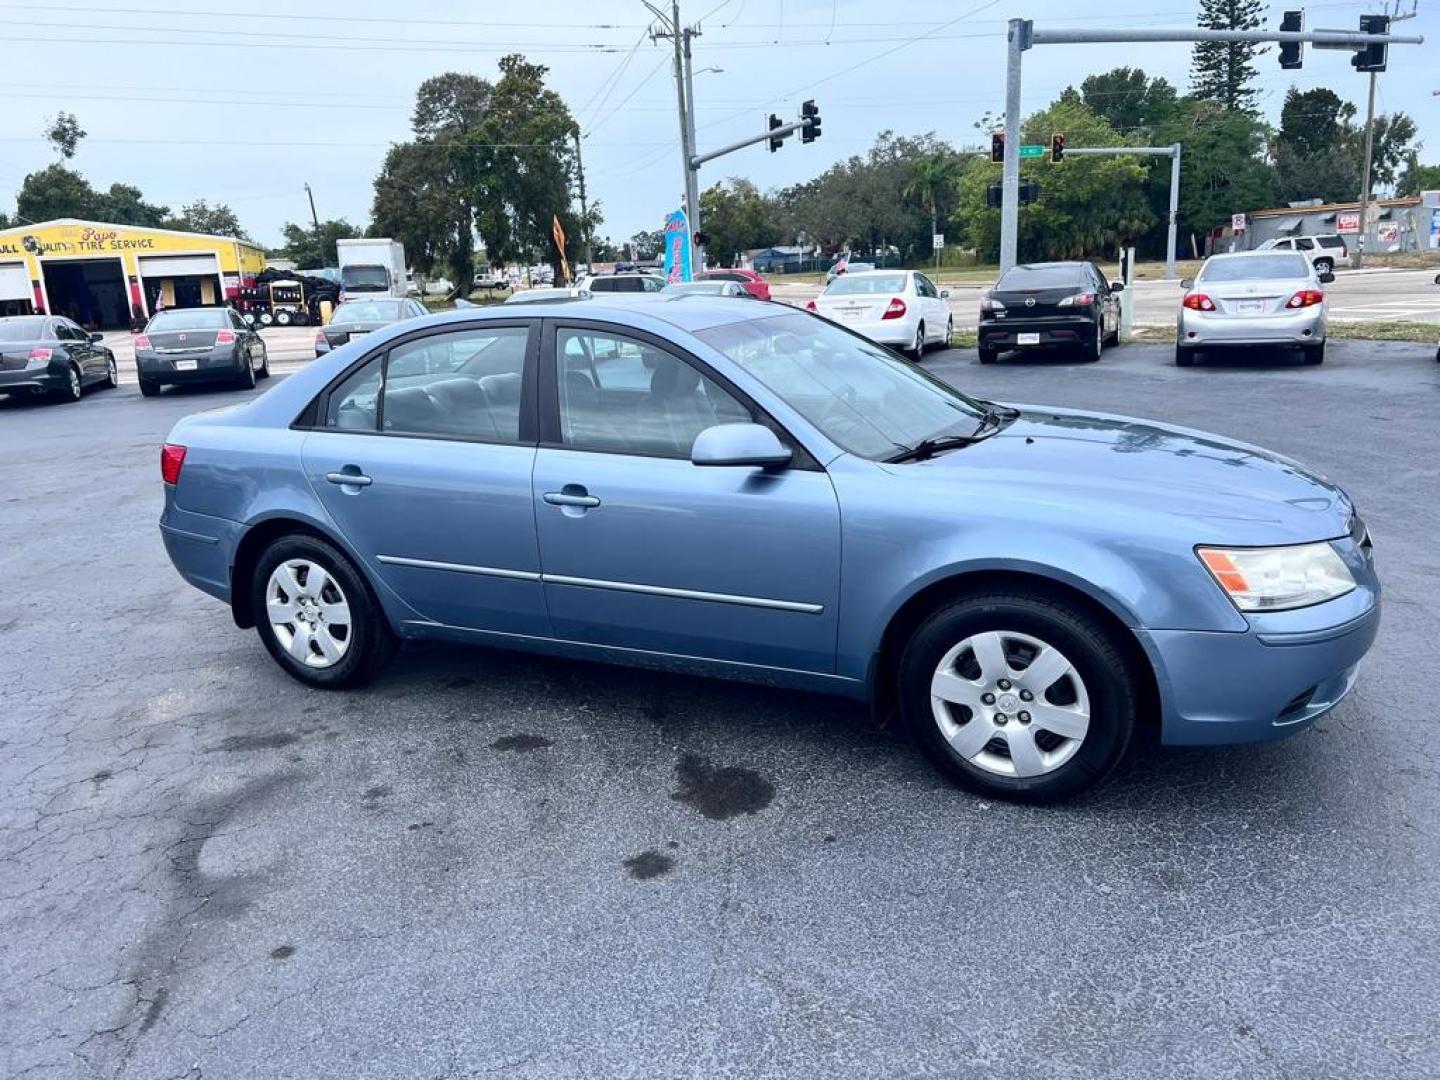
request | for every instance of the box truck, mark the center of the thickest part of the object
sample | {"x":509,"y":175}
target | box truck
{"x":371,"y":268}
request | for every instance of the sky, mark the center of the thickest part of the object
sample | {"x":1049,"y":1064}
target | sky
{"x":247,"y":103}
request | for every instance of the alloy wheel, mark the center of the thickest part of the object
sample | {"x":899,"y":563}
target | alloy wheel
{"x":919,"y":347}
{"x":72,"y":389}
{"x":308,"y":613}
{"x":112,"y":373}
{"x":1010,"y":704}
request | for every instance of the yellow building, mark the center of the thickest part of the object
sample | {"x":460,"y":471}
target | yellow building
{"x":106,"y":276}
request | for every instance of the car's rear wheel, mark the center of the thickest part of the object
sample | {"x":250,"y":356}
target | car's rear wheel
{"x":917,"y":348}
{"x":317,"y":616}
{"x":71,"y":391}
{"x":264,"y":363}
{"x":987,"y":355}
{"x":1095,"y":347}
{"x":1315,"y":354}
{"x":149,"y":388}
{"x":246,"y":378}
{"x":1018,"y":696}
{"x":1184,"y":355}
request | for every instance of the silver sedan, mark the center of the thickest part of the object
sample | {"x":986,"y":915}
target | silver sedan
{"x":1253,"y":298}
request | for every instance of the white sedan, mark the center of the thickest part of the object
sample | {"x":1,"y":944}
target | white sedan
{"x":899,"y":308}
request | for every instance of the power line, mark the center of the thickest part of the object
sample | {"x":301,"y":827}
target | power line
{"x":329,"y":17}
{"x":639,"y":86}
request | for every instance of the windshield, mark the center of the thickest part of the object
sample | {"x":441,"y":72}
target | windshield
{"x":863,"y":397}
{"x":22,"y":329}
{"x":1039,"y":277}
{"x":1275,"y":267}
{"x":190,"y":319}
{"x":365,"y":278}
{"x":358,"y":311}
{"x":850,"y":285}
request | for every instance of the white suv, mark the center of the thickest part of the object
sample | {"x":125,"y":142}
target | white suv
{"x":1325,"y":252}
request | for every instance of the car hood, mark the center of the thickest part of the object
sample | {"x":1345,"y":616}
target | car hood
{"x":1145,"y":477}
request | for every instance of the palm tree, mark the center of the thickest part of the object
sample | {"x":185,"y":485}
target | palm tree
{"x":930,"y":177}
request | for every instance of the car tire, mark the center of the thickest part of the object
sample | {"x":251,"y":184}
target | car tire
{"x":264,"y":372}
{"x":1184,"y":355}
{"x":1093,"y":700}
{"x":949,"y":332}
{"x":149,"y":388}
{"x":917,"y":350}
{"x":282,"y":317}
{"x":987,"y":356}
{"x":112,"y":372}
{"x":1315,"y":354}
{"x":296,"y":645}
{"x":73,"y":390}
{"x":246,"y":379}
{"x":1096,"y":347}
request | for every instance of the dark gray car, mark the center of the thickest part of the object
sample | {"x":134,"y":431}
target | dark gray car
{"x":356,"y":317}
{"x":198,"y":345}
{"x":47,"y":355}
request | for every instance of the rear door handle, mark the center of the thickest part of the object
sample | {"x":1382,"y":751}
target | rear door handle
{"x":356,"y":479}
{"x":571,"y":495}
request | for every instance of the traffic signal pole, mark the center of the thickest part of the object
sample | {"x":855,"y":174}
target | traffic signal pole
{"x":1173,"y":153}
{"x":1023,"y":35}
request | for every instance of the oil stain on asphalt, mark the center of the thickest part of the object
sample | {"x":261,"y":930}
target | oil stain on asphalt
{"x":720,"y":793}
{"x":648,"y":864}
{"x":272,"y":741}
{"x":521,"y":743}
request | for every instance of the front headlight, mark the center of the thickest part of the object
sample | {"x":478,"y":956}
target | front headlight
{"x":1280,"y":578}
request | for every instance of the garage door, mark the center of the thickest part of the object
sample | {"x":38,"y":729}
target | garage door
{"x":14,"y":282}
{"x":166,"y":266}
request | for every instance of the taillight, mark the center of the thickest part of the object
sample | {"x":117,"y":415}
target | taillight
{"x":810,"y":306}
{"x":141,"y":341}
{"x":989,"y":303}
{"x":1197,"y":301}
{"x":320,"y":338}
{"x":896,"y":310}
{"x":172,"y":457}
{"x":1084,"y":299}
{"x":225,"y":337}
{"x":1306,"y":298}
{"x":41,"y":354}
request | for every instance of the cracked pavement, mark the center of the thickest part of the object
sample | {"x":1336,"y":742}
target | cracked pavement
{"x":490,"y":864}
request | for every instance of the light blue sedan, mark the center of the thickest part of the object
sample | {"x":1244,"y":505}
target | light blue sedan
{"x":748,"y":491}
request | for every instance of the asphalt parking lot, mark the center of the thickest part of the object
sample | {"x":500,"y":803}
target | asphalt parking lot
{"x":489,"y":864}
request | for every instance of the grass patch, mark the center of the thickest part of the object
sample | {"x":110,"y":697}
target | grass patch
{"x":1427,"y":333}
{"x":964,"y":339}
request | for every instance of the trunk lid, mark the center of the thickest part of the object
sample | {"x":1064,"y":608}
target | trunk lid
{"x":182,"y":341}
{"x":1252,"y":297}
{"x":854,"y":307}
{"x":1024,"y":303}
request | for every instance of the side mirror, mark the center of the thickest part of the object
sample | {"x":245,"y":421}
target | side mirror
{"x":944,"y":294}
{"x":97,"y":338}
{"x":1326,"y":278}
{"x":751,"y":445}
{"x":1117,"y":286}
{"x":1187,"y":283}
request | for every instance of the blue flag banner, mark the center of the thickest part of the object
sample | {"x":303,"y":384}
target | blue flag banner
{"x":677,"y":247}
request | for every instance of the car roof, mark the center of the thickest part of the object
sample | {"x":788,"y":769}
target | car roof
{"x":1257,"y":253}
{"x":27,"y":318}
{"x":875,"y":273}
{"x":1064,"y":264}
{"x":684,"y":311}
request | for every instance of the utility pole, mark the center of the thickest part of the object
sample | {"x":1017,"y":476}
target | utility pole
{"x":584,"y":206}
{"x":314,"y":218}
{"x":1023,"y":35}
{"x":680,"y":37}
{"x":1360,"y":245}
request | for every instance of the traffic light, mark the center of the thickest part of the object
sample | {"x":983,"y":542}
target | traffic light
{"x":1029,"y":192}
{"x":701,"y":240}
{"x":1057,"y":147}
{"x":993,"y":195}
{"x":997,"y":146}
{"x":776,"y":141}
{"x":1372,"y":57}
{"x":811,"y":131}
{"x":1292,"y":53}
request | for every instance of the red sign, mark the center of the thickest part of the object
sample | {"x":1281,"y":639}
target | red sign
{"x":1347,"y":223}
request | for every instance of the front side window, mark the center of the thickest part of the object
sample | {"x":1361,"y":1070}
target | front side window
{"x":863,"y":397}
{"x":621,"y":395}
{"x":463,"y":385}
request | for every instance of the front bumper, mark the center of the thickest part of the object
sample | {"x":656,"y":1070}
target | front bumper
{"x":1054,"y":331}
{"x":221,"y":362}
{"x":1204,"y":329}
{"x":1274,"y":679}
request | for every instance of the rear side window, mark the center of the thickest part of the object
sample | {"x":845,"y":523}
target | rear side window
{"x":1330,"y":241}
{"x":353,"y":405}
{"x":463,"y":385}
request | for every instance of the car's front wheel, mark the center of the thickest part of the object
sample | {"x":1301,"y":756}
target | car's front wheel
{"x":316,"y":615}
{"x":1016,"y":695}
{"x":112,"y":372}
{"x":71,"y":390}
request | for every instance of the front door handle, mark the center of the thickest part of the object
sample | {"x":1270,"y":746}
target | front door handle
{"x":571,"y":495}
{"x":355,"y":479}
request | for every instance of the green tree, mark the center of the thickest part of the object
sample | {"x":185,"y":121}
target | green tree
{"x":1223,"y":169}
{"x":1394,"y":143}
{"x":199,"y":216}
{"x":1319,"y":151}
{"x":932,"y":183}
{"x":64,"y":133}
{"x":647,"y":244}
{"x":1417,"y":178}
{"x":1312,"y":121}
{"x":312,"y":249}
{"x":1224,"y":71}
{"x":124,"y":204}
{"x":1129,"y":100}
{"x":55,"y":192}
{"x":1088,"y":206}
{"x":737,"y":217}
